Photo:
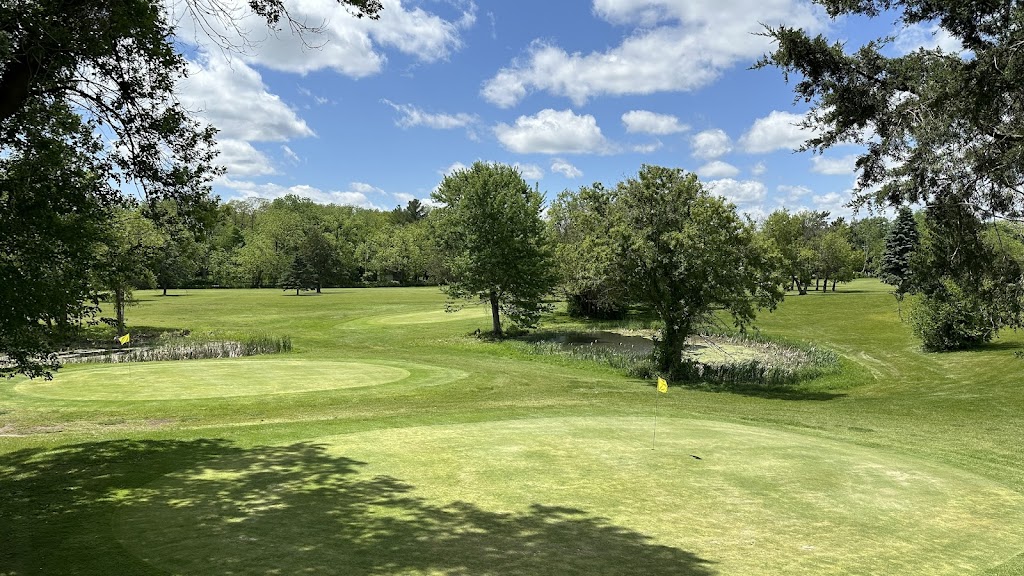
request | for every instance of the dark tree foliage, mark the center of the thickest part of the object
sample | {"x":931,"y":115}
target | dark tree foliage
{"x":414,"y":211}
{"x":900,"y":244}
{"x":299,"y":276}
{"x":491,"y":235}
{"x":938,"y":128}
{"x":970,"y":287}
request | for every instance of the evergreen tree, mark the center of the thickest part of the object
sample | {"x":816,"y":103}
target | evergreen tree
{"x":900,"y":245}
{"x":299,"y":276}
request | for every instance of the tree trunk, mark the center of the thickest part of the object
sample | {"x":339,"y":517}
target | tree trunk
{"x":824,"y":287}
{"x":834,"y":285}
{"x":165,"y":290}
{"x":670,"y":348}
{"x":119,"y":307}
{"x":495,"y":319}
{"x":296,"y":291}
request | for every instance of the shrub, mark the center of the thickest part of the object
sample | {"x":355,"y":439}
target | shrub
{"x":950,"y":319}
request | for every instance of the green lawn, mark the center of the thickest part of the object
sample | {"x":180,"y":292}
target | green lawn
{"x":392,"y":441}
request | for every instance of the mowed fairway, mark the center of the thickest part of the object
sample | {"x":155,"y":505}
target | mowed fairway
{"x":391,"y":441}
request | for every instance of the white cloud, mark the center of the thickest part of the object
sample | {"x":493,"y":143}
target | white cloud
{"x":414,"y":116}
{"x":530,"y":171}
{"x":776,"y":131}
{"x":646,"y":122}
{"x":759,"y":169}
{"x":928,"y":36}
{"x":793,"y":193}
{"x":647,"y":148}
{"x":357,"y":194}
{"x":742,"y":193}
{"x":834,"y":203}
{"x":214,"y":87}
{"x":242,"y":159}
{"x":717,"y":169}
{"x":346,"y":44}
{"x":453,"y":168}
{"x":843,"y":166}
{"x":710,"y":144}
{"x":564,"y":168}
{"x":553,"y":132}
{"x":290,"y":154}
{"x":694,"y":42}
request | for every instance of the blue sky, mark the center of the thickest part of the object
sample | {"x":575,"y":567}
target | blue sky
{"x":374,"y":113}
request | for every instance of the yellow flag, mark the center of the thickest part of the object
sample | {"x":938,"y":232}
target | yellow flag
{"x":662,"y":385}
{"x":125,"y":339}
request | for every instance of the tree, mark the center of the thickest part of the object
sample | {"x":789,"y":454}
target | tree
{"x":580,"y":228}
{"x":938,"y":128}
{"x":413,"y":212}
{"x":69,"y":70}
{"x":124,"y":260}
{"x":900,"y":245}
{"x":961,"y":276}
{"x":837,"y":260}
{"x":491,"y":235}
{"x":299,"y":276}
{"x":686,"y":254}
{"x":868,"y":236}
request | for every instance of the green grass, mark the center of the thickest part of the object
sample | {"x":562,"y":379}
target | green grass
{"x":391,"y":441}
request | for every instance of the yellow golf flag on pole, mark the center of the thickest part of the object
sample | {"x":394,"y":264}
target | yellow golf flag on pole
{"x":662,"y":385}
{"x":128,"y":338}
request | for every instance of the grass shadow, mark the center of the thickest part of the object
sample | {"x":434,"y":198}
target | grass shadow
{"x":210,"y":507}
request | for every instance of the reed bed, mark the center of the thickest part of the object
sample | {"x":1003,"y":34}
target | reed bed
{"x":183,"y":346}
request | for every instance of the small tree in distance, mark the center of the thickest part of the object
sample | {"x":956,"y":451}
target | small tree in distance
{"x":491,"y":237}
{"x":299,"y":276}
{"x":900,"y":245}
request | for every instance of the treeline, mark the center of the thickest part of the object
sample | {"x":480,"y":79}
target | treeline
{"x":293,"y":242}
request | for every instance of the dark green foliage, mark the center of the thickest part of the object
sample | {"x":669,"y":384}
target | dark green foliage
{"x":971,"y":288}
{"x":299,"y":276}
{"x":580,"y":225}
{"x":492,"y":238}
{"x":685,"y":254}
{"x":900,"y":244}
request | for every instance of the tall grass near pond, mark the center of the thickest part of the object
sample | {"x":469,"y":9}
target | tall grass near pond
{"x":191,"y":346}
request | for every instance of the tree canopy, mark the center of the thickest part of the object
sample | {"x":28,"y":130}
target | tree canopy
{"x":686,"y":254}
{"x":491,"y":235}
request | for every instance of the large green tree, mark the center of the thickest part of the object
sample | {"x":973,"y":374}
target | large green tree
{"x":491,"y":235}
{"x":70,"y":69}
{"x":937,"y":128}
{"x":900,"y":245}
{"x":686,"y":254}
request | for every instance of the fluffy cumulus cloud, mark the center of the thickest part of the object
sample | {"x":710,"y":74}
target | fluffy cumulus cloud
{"x":530,"y":171}
{"x":350,"y":46}
{"x":565,"y":168}
{"x":717,"y":169}
{"x":791,"y":194}
{"x":356,"y":194}
{"x":695,"y":40}
{"x":553,"y":132}
{"x":710,"y":144}
{"x":213,"y":88}
{"x":646,"y":122}
{"x":776,"y":131}
{"x":843,"y":166}
{"x":411,"y":116}
{"x":928,"y":36}
{"x":743,"y":193}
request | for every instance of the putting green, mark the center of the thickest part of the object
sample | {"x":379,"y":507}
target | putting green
{"x":571,"y":496}
{"x":432,"y":316}
{"x":189,"y":379}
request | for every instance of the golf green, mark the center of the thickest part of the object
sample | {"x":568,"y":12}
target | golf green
{"x":432,"y":316}
{"x":208,"y":379}
{"x":571,"y":496}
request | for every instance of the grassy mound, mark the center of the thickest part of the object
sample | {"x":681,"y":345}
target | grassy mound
{"x":571,"y":496}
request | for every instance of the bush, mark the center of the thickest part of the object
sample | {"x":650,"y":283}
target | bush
{"x":950,"y":319}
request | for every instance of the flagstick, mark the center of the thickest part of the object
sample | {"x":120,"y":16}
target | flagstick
{"x":655,"y":439}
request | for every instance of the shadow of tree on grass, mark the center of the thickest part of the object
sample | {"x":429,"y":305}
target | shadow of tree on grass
{"x":209,"y":507}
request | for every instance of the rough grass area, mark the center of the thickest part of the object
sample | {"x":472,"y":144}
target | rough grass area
{"x":392,"y":441}
{"x":184,"y":345}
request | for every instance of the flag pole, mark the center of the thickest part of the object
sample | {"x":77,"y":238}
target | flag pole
{"x":661,"y":389}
